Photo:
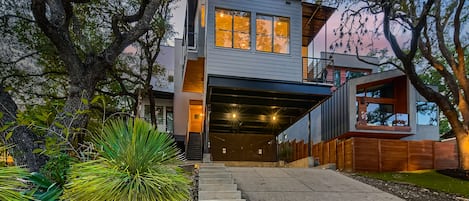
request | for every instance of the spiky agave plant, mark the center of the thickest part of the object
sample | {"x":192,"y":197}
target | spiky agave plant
{"x":136,"y":163}
{"x":10,"y":183}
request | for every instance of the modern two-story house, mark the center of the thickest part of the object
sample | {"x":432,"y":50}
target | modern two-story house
{"x":243,"y":75}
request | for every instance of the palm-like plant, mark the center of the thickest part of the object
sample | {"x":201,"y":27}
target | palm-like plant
{"x":136,"y":163}
{"x":10,"y":183}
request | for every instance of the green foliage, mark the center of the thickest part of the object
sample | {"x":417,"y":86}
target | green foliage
{"x":57,"y":167}
{"x":136,"y":163}
{"x":45,"y":189}
{"x":11,"y":186}
{"x":427,"y":179}
{"x":444,"y":126}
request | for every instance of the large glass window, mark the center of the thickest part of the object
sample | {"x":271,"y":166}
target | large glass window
{"x":379,"y":114}
{"x":427,"y":114}
{"x":232,"y":29}
{"x":377,"y":105}
{"x":380,"y":91}
{"x":169,"y":120}
{"x":273,"y":34}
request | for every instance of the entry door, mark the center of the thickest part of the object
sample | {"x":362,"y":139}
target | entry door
{"x":195,"y":116}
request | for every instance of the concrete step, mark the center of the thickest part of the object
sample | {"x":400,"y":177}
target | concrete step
{"x":212,"y":165}
{"x":212,"y":169}
{"x":214,"y":175}
{"x":205,"y":195}
{"x":205,"y":172}
{"x":218,"y":187}
{"x":216,"y":181}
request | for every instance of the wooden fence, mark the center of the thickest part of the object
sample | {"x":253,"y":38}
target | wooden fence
{"x":381,"y":155}
{"x":293,"y":150}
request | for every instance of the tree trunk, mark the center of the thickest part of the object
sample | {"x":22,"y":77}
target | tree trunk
{"x":74,"y":115}
{"x":463,"y":148}
{"x":152,"y":107}
{"x":24,"y":141}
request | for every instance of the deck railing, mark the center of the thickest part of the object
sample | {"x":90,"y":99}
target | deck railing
{"x":315,"y":69}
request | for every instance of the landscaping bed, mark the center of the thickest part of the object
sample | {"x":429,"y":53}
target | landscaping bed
{"x":417,"y":186}
{"x":455,"y":173}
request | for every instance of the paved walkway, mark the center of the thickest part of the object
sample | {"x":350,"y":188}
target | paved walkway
{"x":300,"y":184}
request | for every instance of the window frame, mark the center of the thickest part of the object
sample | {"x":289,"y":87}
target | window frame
{"x":272,"y":35}
{"x":232,"y":29}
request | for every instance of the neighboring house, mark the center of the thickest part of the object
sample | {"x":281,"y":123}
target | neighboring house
{"x":163,"y":92}
{"x":241,"y":75}
{"x":381,"y":105}
{"x":345,"y":66}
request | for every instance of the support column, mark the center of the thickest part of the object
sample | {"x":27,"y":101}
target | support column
{"x":206,"y":139}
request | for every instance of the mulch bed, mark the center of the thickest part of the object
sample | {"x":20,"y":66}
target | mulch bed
{"x":406,"y":191}
{"x":456,"y":173}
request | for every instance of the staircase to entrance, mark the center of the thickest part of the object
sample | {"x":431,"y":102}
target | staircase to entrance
{"x":194,"y":147}
{"x":217,"y":184}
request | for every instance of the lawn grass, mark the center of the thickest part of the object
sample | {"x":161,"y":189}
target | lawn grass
{"x":426,"y":178}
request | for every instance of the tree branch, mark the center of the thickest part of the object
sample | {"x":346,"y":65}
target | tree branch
{"x":17,"y":16}
{"x":18,"y":75}
{"x":376,"y":64}
{"x":20,"y":58}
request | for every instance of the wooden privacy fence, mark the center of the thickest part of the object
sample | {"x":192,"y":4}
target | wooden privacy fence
{"x":293,"y":150}
{"x":381,"y":155}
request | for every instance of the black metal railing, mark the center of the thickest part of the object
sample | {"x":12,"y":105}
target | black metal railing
{"x":315,"y":69}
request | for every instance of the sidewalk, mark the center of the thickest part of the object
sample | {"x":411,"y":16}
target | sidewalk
{"x":298,"y":184}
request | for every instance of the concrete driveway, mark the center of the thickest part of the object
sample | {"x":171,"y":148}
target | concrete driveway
{"x":300,"y":184}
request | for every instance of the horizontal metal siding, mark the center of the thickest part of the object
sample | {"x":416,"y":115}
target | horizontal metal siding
{"x":234,"y":62}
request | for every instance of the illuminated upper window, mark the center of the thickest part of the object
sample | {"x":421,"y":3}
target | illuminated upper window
{"x":202,"y":15}
{"x":232,"y":29}
{"x":273,"y":34}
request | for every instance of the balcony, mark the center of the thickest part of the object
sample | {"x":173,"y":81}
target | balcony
{"x":314,"y":69}
{"x":379,"y":120}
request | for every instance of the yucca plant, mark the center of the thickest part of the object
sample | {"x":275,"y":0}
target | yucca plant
{"x":136,"y":163}
{"x":10,"y":184}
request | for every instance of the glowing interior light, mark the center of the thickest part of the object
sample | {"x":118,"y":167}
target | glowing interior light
{"x":234,"y":115}
{"x":274,"y":117}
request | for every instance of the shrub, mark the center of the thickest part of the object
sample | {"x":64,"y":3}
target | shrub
{"x":136,"y":162}
{"x":10,"y":183}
